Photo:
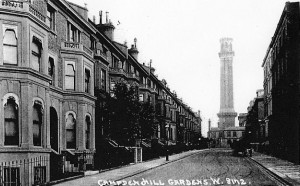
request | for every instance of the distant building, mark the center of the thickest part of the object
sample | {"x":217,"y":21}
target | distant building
{"x":255,"y":126}
{"x":242,"y":119}
{"x":281,"y":86}
{"x":225,"y":137}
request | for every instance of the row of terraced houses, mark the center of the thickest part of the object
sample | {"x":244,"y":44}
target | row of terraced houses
{"x":53,"y":59}
{"x":272,"y":121}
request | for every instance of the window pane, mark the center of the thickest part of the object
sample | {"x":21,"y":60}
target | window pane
{"x":51,"y":66}
{"x":35,"y":62}
{"x":10,"y":128}
{"x":36,"y":125}
{"x":11,"y":124}
{"x":87,"y":80}
{"x":87,"y":132}
{"x":10,"y":38}
{"x":69,"y":82}
{"x":70,"y":70}
{"x":35,"y":115}
{"x":70,"y":122}
{"x":35,"y":48}
{"x":70,"y":137}
{"x":10,"y":111}
{"x":10,"y":54}
{"x":36,"y":130}
{"x":71,"y":131}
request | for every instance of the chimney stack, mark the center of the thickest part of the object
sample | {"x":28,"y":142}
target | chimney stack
{"x":100,"y":17}
{"x":133,"y":50}
{"x":106,"y":28}
{"x":106,"y":17}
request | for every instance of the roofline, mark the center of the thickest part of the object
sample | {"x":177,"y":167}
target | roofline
{"x":277,"y":29}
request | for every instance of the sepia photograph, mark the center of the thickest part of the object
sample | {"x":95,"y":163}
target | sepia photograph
{"x":149,"y":92}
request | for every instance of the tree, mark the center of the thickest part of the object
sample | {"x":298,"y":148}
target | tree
{"x":147,"y":120}
{"x":124,"y":109}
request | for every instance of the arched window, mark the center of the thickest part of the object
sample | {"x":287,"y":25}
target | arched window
{"x":11,"y":122}
{"x":10,"y":47}
{"x":87,"y":131}
{"x":70,"y":77}
{"x":71,"y":131}
{"x":37,"y":122}
{"x":36,"y":47}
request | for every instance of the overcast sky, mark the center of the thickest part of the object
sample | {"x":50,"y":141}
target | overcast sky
{"x":182,"y":39}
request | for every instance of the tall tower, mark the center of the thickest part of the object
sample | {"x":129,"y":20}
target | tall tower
{"x":227,"y":114}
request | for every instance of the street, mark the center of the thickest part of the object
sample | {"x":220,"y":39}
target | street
{"x":213,"y":167}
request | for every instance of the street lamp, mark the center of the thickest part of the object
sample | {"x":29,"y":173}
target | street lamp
{"x":167,"y":142}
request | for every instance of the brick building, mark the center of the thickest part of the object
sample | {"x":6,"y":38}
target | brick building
{"x":281,"y":86}
{"x":255,"y":127}
{"x":56,"y":69}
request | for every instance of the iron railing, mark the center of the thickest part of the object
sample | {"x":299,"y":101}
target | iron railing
{"x":32,"y":171}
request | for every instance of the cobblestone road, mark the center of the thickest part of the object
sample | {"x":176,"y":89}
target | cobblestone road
{"x":214,"y":167}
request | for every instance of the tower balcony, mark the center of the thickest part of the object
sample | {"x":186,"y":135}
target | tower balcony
{"x":226,"y":54}
{"x":225,"y":114}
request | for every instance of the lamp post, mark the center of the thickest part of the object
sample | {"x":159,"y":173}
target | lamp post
{"x":167,"y":142}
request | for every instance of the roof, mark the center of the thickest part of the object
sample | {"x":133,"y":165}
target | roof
{"x":234,"y":128}
{"x":214,"y":129}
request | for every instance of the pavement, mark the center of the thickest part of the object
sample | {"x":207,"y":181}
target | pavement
{"x":283,"y":169}
{"x":121,"y":173}
{"x":287,"y":172}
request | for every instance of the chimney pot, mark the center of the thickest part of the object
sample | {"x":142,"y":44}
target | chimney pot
{"x":106,"y":17}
